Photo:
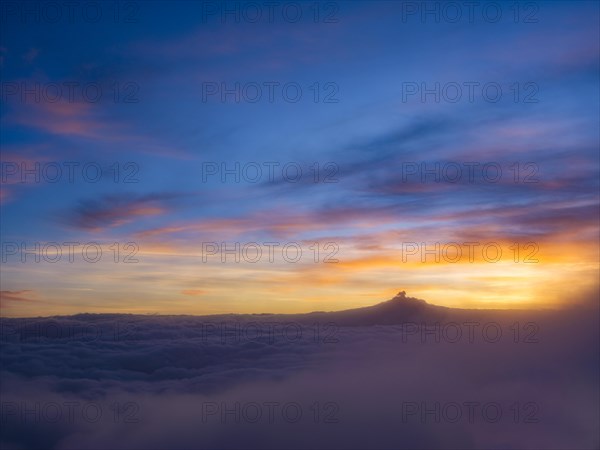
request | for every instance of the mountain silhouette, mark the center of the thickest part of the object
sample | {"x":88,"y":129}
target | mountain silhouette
{"x":398,"y":310}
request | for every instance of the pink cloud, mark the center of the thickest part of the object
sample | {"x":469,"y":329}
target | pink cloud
{"x":8,"y":297}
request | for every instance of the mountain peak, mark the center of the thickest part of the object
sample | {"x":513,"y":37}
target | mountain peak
{"x":397,"y":310}
{"x":402,"y":300}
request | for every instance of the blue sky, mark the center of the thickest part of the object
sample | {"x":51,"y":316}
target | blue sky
{"x":364,"y":131}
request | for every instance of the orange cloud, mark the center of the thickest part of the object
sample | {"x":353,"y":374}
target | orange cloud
{"x":194,"y":292}
{"x":7,"y":297}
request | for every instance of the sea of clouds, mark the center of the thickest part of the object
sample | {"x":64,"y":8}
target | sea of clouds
{"x":232,"y":382}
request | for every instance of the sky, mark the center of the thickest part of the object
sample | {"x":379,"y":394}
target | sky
{"x":200,"y":157}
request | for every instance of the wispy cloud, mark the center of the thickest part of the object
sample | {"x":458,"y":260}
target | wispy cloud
{"x":119,"y":209}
